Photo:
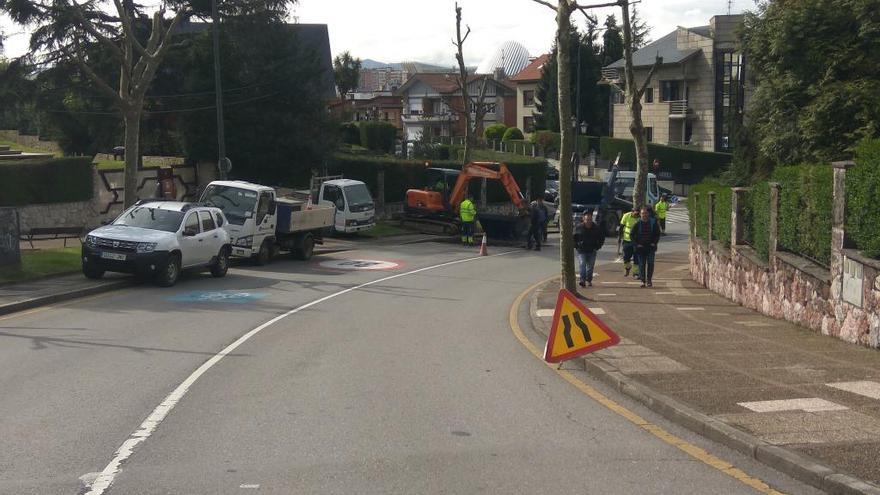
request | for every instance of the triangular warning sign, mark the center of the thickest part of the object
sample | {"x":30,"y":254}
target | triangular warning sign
{"x":575,"y":330}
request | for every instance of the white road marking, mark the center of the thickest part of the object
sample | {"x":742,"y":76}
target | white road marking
{"x":606,"y":295}
{"x":754,"y":323}
{"x":634,"y":283}
{"x":720,"y":314}
{"x":866,"y":388}
{"x":665,"y":293}
{"x":691,"y":308}
{"x":597,"y":311}
{"x":108,"y":474}
{"x":252,"y":486}
{"x":810,"y":404}
{"x":543,"y":313}
{"x":611,"y":283}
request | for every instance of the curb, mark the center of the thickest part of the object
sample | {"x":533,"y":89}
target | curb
{"x":799,"y":466}
{"x":36,"y":302}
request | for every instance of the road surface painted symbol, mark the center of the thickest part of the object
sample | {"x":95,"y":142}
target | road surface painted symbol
{"x":359,"y":264}
{"x":575,"y":330}
{"x":236,"y":297}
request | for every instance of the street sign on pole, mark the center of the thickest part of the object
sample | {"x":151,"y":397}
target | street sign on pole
{"x":575,"y":330}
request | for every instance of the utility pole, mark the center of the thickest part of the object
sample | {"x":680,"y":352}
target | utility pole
{"x":221,"y":138}
{"x":577,"y":113}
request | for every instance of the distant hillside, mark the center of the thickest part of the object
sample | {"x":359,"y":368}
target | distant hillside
{"x":373,"y":64}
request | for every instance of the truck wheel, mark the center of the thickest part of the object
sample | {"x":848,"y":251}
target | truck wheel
{"x":221,"y":266}
{"x":92,"y":272}
{"x":169,"y":271}
{"x":306,"y":248}
{"x":611,"y":222}
{"x":264,"y":256}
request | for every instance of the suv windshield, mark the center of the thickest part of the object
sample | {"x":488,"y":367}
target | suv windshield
{"x":151,"y":218}
{"x":234,"y":202}
{"x":358,"y":195}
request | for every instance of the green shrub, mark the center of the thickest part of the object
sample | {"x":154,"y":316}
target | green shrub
{"x":721,"y":214}
{"x":350,"y":134}
{"x":551,"y":142}
{"x":378,"y":136}
{"x":495,"y":131}
{"x":699,"y":210}
{"x":805,"y":205}
{"x":512,"y":133}
{"x":756,"y":222}
{"x":672,"y":159}
{"x":57,"y":180}
{"x":862,"y":194}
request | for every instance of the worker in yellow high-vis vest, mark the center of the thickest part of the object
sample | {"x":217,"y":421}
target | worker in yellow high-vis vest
{"x":626,"y":224}
{"x":468,"y":214}
{"x":660,"y":210}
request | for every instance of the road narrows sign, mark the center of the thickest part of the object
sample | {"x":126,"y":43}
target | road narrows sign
{"x":575,"y":330}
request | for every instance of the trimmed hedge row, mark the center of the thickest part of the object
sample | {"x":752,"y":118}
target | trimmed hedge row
{"x":862,"y":193}
{"x":57,"y":180}
{"x":699,"y":210}
{"x":805,"y":206}
{"x":552,"y":142}
{"x":756,"y":220}
{"x":401,"y":175}
{"x":702,"y":163}
{"x":378,"y":136}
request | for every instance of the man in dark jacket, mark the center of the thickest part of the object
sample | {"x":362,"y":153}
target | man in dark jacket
{"x":588,"y":239}
{"x":538,"y":214}
{"x":645,"y":235}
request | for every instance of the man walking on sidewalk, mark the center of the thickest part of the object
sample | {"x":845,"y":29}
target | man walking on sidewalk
{"x":645,"y":235}
{"x":538,"y":219}
{"x":588,"y":239}
{"x":626,"y":224}
{"x":660,"y":210}
{"x":468,"y":213}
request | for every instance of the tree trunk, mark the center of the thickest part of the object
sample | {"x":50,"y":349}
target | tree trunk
{"x":633,"y":100}
{"x":566,"y":226}
{"x":132,"y":155}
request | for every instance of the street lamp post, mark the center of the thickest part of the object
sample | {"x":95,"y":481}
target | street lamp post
{"x":221,"y":139}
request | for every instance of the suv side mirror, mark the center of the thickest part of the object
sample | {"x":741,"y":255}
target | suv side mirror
{"x":189,"y":232}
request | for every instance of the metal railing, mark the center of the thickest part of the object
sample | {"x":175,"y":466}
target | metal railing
{"x":678,"y":107}
{"x":611,"y":74}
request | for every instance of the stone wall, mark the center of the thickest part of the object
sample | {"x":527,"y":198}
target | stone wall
{"x":29,"y":141}
{"x":10,"y":256}
{"x":841,"y":301}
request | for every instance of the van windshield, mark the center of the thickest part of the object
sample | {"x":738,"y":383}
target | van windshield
{"x":235,"y":202}
{"x":150,"y":218}
{"x":358,"y":195}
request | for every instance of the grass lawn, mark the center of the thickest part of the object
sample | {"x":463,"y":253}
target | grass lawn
{"x":386,"y":229}
{"x":26,"y":149}
{"x":43,"y":262}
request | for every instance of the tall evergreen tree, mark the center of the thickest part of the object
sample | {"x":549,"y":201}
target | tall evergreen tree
{"x":612,"y":42}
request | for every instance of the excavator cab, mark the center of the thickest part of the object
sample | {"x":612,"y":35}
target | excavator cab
{"x":433,"y":198}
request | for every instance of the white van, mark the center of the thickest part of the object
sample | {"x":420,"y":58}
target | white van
{"x":355,"y":210}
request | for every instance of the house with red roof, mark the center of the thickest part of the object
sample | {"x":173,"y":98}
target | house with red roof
{"x":526,"y":83}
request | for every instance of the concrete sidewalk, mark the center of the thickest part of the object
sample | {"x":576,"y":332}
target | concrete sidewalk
{"x":806,"y":404}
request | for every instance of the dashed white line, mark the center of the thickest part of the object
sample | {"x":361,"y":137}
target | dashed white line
{"x":252,"y":486}
{"x":808,"y":404}
{"x":606,"y":295}
{"x":865,"y":388}
{"x":108,"y":474}
{"x":691,"y":308}
{"x":544,"y":313}
{"x":597,"y":311}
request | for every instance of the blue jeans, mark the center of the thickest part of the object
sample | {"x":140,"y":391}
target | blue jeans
{"x":587,"y":262}
{"x":646,"y":264}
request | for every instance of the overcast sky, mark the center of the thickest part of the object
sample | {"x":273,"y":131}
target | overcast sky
{"x":422,"y":30}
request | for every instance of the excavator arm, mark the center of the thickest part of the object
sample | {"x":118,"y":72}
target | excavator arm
{"x":475,"y":170}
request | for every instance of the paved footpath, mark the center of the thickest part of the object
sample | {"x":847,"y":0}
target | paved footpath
{"x":808,"y":404}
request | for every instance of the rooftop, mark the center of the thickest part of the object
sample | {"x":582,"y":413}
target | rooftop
{"x":666,"y":47}
{"x":531,"y":72}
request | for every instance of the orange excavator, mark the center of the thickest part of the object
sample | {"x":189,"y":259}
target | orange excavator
{"x":435,"y":207}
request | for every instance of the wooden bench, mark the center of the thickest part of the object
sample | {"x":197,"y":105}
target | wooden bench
{"x":47,"y":233}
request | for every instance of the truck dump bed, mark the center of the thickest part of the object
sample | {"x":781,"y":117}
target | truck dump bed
{"x":293,"y":216}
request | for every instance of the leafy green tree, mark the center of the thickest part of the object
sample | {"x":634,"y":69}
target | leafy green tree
{"x":347,"y":71}
{"x":512,"y":133}
{"x":817,"y":94}
{"x":612,"y":42}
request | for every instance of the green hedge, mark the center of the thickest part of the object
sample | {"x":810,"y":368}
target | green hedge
{"x":805,"y":210}
{"x":699,"y":210}
{"x":378,"y":136}
{"x":756,"y":221}
{"x":494,"y":131}
{"x":350,"y":134}
{"x":552,"y":142}
{"x":512,"y":133}
{"x":863,"y":198}
{"x":702,"y":163}
{"x":401,"y":175}
{"x":57,"y":180}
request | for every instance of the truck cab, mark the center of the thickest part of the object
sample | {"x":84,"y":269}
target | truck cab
{"x":250,"y":211}
{"x":355,"y":210}
{"x":625,"y":184}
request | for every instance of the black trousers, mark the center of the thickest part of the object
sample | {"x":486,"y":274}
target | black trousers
{"x":536,"y":234}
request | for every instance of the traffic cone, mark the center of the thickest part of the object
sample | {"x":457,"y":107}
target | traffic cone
{"x":483,"y":250}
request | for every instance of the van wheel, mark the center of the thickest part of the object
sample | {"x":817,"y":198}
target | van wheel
{"x":92,"y":272}
{"x":169,"y":271}
{"x":221,"y":266}
{"x":264,"y":256}
{"x":306,"y":248}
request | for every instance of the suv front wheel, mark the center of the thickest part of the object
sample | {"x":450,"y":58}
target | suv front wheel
{"x":169,"y":271}
{"x":92,"y":272}
{"x":221,"y":266}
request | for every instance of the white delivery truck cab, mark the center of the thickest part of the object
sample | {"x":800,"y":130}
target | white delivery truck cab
{"x":355,"y":210}
{"x":625,"y":185}
{"x":260,"y":224}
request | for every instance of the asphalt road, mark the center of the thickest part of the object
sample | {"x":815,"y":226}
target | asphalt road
{"x":413,"y":384}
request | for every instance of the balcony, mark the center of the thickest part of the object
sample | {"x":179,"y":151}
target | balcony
{"x":610,"y":75}
{"x":678,"y":109}
{"x":416,"y":116}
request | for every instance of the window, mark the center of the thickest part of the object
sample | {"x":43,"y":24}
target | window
{"x":192,"y":223}
{"x":263,"y":207}
{"x":649,"y":133}
{"x":334,"y":195}
{"x":207,"y":221}
{"x":529,"y":124}
{"x":670,"y":90}
{"x":729,"y":97}
{"x":386,"y":115}
{"x":649,"y":95}
{"x":529,"y":98}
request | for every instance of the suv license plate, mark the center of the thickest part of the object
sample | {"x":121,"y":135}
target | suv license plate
{"x":113,"y":256}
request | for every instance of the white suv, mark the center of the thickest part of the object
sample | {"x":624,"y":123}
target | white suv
{"x":158,"y":239}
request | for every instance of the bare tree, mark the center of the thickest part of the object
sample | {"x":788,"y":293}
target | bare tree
{"x":475,"y":125}
{"x":634,"y":103}
{"x":563,"y":10}
{"x":72,"y":30}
